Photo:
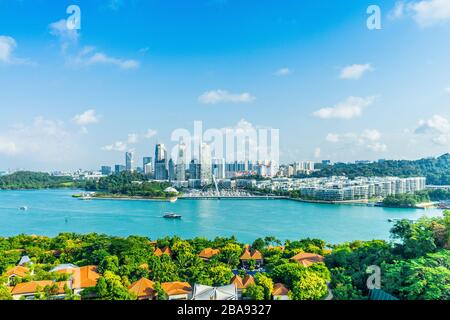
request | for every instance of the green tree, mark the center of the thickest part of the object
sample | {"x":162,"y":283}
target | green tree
{"x":309,"y":287}
{"x":4,"y":293}
{"x":265,"y":282}
{"x":254,"y":292}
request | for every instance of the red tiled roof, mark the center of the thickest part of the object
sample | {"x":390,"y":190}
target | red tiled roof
{"x":18,"y":271}
{"x":33,"y":286}
{"x":279,"y":289}
{"x":176,"y":288}
{"x":307,"y":259}
{"x":208,"y":253}
{"x":143,"y":288}
{"x":83,"y":277}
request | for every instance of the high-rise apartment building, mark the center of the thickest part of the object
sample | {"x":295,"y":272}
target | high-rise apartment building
{"x":129,"y":161}
{"x":181,"y":162}
{"x":205,"y":164}
{"x":161,"y":172}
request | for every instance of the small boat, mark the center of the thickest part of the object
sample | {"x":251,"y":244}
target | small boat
{"x":24,"y":208}
{"x":171,"y":215}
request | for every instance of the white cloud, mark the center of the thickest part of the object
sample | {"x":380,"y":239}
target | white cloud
{"x":355,"y":71}
{"x":150,"y":133}
{"x":398,"y":12}
{"x":348,"y":109}
{"x":59,"y":29}
{"x":7,"y":147}
{"x":430,"y":12}
{"x":222,"y":96}
{"x":89,"y":56}
{"x":117,"y":146}
{"x":86,"y":118}
{"x":7,"y":47}
{"x":447,"y":90}
{"x":283,"y":72}
{"x":133,"y":138}
{"x":437,"y":127}
{"x":43,"y":139}
{"x":368,"y":139}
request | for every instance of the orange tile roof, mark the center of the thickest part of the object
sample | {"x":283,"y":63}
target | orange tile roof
{"x":167,"y":250}
{"x":307,"y":259}
{"x":18,"y":271}
{"x":248,"y":281}
{"x":176,"y":288}
{"x":33,"y":286}
{"x":256,"y":255}
{"x":246,"y":255}
{"x":208,"y":253}
{"x":158,"y":252}
{"x":243,"y":283}
{"x":143,"y":288}
{"x":279,"y":289}
{"x":83,"y":277}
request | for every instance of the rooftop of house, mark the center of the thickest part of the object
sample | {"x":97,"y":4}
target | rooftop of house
{"x":255,"y":255}
{"x":18,"y":271}
{"x":83,"y":277}
{"x":243,"y":283}
{"x":142,"y":288}
{"x":208,"y":253}
{"x":279,"y":289}
{"x":166,"y":250}
{"x":176,"y":288}
{"x":36,"y":286}
{"x":307,"y":259}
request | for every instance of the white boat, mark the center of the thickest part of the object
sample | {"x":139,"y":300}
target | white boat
{"x":24,"y":208}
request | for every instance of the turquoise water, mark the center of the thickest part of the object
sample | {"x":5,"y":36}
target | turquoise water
{"x":53,"y":211}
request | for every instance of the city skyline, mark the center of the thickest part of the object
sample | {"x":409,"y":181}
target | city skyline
{"x":335,"y":89}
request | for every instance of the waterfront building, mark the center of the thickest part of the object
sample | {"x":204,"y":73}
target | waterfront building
{"x":205,"y":164}
{"x":146,"y":160}
{"x":181,"y":163}
{"x":218,"y":168}
{"x":106,"y":170}
{"x":118,"y":168}
{"x":129,"y":161}
{"x":194,"y":169}
{"x":171,"y":170}
{"x":161,"y":172}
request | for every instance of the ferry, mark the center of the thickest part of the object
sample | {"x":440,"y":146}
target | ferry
{"x":171,"y":215}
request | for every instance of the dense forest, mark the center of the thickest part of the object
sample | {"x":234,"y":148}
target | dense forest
{"x":414,"y":266}
{"x":33,"y":180}
{"x":436,"y":170}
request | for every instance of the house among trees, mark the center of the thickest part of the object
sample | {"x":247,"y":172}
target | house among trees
{"x":307,"y":259}
{"x":280,"y":292}
{"x":208,"y":253}
{"x":158,"y":252}
{"x":177,"y":290}
{"x":17,"y":272}
{"x":28,"y":290}
{"x":82,"y":278}
{"x":242,"y":284}
{"x":143,"y":289}
{"x":202,"y":292}
{"x":249,"y":258}
{"x":24,"y":261}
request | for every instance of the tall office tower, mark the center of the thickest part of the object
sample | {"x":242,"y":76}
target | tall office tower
{"x":129,"y":161}
{"x":205,"y":164}
{"x":147,"y":165}
{"x":161,"y":162}
{"x":218,"y":168}
{"x":194,"y":170}
{"x":106,"y":170}
{"x":171,"y":171}
{"x":181,"y":164}
{"x":119,"y":168}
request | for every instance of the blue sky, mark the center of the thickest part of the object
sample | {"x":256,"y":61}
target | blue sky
{"x":137,"y":70}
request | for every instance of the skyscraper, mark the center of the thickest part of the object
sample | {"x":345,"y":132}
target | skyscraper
{"x":205,"y":164}
{"x":161,"y":162}
{"x":129,"y":161}
{"x":181,"y":164}
{"x":194,"y":170}
{"x":171,"y":170}
{"x":218,"y":168}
